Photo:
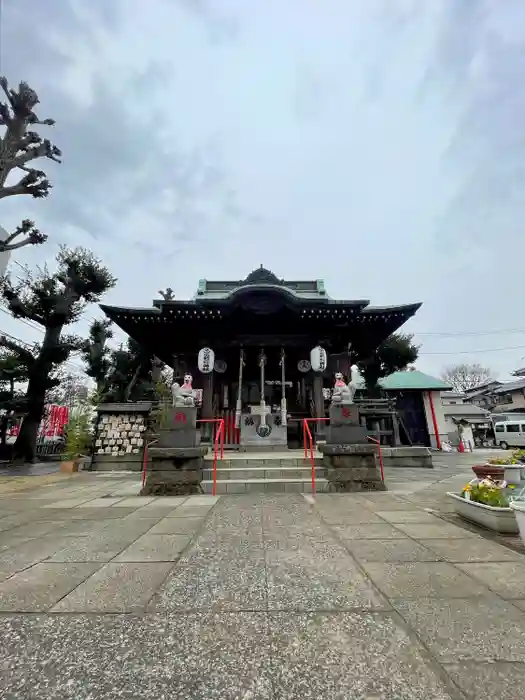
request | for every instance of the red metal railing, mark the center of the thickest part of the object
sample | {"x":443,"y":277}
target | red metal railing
{"x":218,"y":446}
{"x":379,"y":454}
{"x":309,"y":444}
{"x":308,"y":441}
{"x":145,"y":461}
{"x":232,"y":435}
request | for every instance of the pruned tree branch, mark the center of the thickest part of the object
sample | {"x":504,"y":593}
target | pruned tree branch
{"x":24,"y":354}
{"x":19,"y":305}
{"x":20,"y":145}
{"x":32,"y":236}
{"x":34,"y":183}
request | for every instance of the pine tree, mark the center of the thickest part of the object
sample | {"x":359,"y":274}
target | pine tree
{"x":53,"y":300}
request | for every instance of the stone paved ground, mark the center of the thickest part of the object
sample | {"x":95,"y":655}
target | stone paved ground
{"x":377,"y":596}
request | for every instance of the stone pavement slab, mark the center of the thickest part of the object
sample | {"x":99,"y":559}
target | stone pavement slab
{"x":170,"y":502}
{"x":97,"y":548}
{"x":184,"y":657}
{"x":441,"y":530}
{"x":23,"y":556}
{"x":486,"y":681}
{"x":154,"y":548}
{"x":318,"y":579}
{"x":392,"y":550}
{"x":356,"y":516}
{"x":219,"y":583}
{"x":116,"y":588}
{"x":100,"y":503}
{"x":422,"y":580}
{"x":507,"y":579}
{"x":471,"y":550}
{"x":133,"y":502}
{"x":368,"y":532}
{"x":186,"y":510}
{"x":408,"y":516}
{"x":348,"y":655}
{"x":37,"y":528}
{"x":478,"y":628}
{"x":66,"y":503}
{"x":177,"y":526}
{"x":39,"y":587}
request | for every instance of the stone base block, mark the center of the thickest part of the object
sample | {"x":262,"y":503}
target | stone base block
{"x":174,"y":471}
{"x":407,"y":457}
{"x":172,"y":483}
{"x":346,"y":434}
{"x":350,"y":468}
{"x":184,"y":437}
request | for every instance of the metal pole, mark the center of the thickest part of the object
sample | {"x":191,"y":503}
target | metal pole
{"x":238,"y":407}
{"x":283,"y":391}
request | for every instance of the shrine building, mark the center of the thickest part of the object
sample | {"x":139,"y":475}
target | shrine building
{"x":261,"y":332}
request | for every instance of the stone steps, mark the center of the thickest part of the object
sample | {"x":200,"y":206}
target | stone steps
{"x":260,"y":473}
{"x":239,"y":486}
{"x":255,"y":463}
{"x":245,"y":477}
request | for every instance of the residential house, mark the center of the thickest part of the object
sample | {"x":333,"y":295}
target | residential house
{"x":465,"y":421}
{"x":499,"y":397}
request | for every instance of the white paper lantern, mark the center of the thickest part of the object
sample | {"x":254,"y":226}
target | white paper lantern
{"x":318,"y":359}
{"x":206,"y":360}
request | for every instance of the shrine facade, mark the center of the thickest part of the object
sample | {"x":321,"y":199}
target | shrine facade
{"x":264,"y":337}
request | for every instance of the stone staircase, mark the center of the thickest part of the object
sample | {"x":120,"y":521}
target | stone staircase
{"x":264,"y":475}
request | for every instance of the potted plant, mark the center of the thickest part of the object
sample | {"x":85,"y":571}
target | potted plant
{"x":491,"y":470}
{"x":513,"y":468}
{"x":518,"y":507}
{"x":78,"y":440}
{"x":486,"y":503}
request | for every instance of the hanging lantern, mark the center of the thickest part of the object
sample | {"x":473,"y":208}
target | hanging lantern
{"x":220,"y":366}
{"x":206,"y":360}
{"x":318,"y":359}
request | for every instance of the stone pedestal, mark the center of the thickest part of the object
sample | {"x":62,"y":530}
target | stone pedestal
{"x":350,"y":468}
{"x":345,"y":427}
{"x":178,"y":427}
{"x":175,"y":461}
{"x":174,"y":471}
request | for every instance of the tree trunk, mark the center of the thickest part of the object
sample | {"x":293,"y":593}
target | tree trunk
{"x":24,"y":449}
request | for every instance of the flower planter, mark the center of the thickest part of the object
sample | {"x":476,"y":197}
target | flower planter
{"x":513,"y":473}
{"x":518,"y":507}
{"x":69,"y":466}
{"x":482,"y":471}
{"x":498,"y":519}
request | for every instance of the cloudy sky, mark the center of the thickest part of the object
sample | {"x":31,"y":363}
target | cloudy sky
{"x":378,"y":144}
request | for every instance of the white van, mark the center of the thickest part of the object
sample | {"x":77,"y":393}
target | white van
{"x":510,"y":433}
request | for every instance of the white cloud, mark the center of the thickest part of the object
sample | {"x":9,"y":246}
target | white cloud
{"x":378,"y":145}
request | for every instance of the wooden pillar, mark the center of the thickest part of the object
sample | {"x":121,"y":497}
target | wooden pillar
{"x":318,"y":401}
{"x":207,"y":395}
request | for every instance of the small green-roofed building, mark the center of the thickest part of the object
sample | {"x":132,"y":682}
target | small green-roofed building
{"x":413,"y":380}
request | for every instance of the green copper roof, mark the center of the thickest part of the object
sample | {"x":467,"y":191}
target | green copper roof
{"x":413,"y":380}
{"x":216,"y":289}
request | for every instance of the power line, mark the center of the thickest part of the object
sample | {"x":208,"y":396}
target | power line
{"x":30,"y":347}
{"x":470,"y":333}
{"x":472,"y":352}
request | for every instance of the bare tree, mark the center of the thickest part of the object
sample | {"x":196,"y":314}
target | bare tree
{"x":463,"y":377}
{"x":19,"y":146}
